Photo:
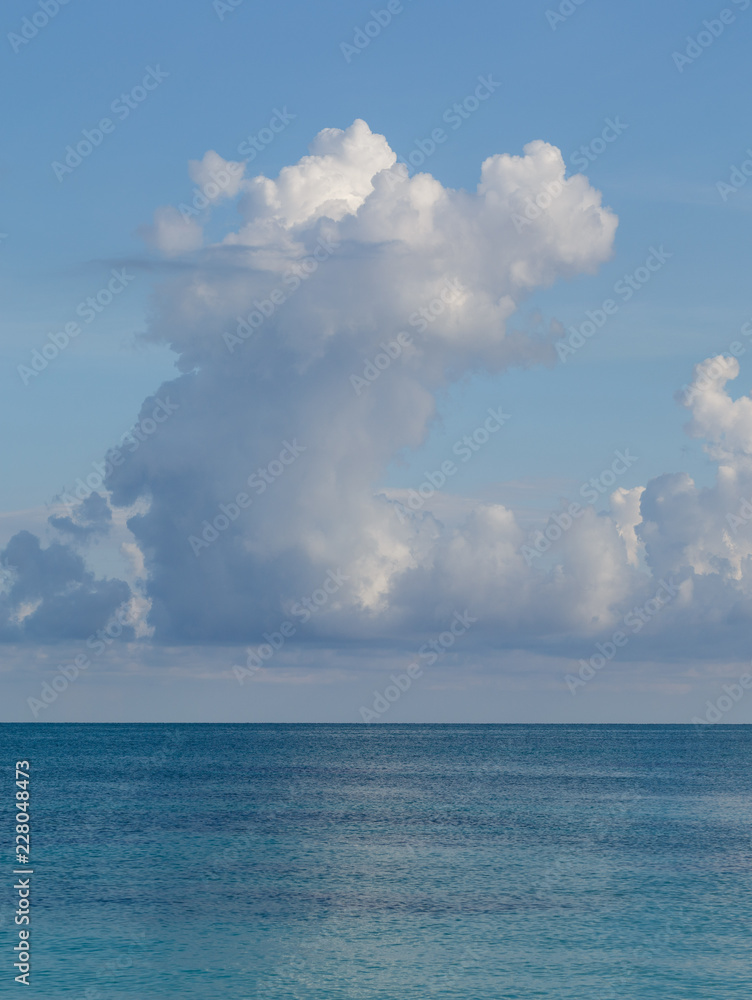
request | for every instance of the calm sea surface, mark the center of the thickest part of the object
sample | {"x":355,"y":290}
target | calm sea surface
{"x":394,"y":862}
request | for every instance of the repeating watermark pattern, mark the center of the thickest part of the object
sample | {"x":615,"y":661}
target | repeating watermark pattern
{"x":589,"y":153}
{"x":114,"y":457}
{"x":718,"y":368}
{"x":464,"y":448}
{"x":224,"y":7}
{"x":738,"y":177}
{"x":563,"y":12}
{"x":68,"y":673}
{"x":135,"y":436}
{"x":252,"y":145}
{"x":420,"y":320}
{"x":559,"y":522}
{"x":698,"y":44}
{"x":431,"y":652}
{"x":535,"y":207}
{"x":304,"y":610}
{"x":87,"y":310}
{"x":742,"y":517}
{"x":259,"y":481}
{"x":203,"y":196}
{"x":294,"y":277}
{"x":455,"y":116}
{"x":362,"y":37}
{"x":121,"y":107}
{"x":31,"y":26}
{"x":625,"y":288}
{"x":635,"y":620}
{"x":718,"y":709}
{"x":372,"y":370}
{"x":228,"y":176}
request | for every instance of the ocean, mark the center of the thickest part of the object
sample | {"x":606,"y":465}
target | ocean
{"x":389,"y":862}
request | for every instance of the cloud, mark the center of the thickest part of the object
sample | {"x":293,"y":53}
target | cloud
{"x":313,"y":341}
{"x":217,"y":178}
{"x":173,"y":234}
{"x":704,"y":534}
{"x":91,"y":517}
{"x":279,"y":330}
{"x":178,"y":231}
{"x":48,"y":594}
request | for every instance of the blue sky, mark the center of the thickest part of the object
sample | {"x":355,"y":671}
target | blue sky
{"x":226,"y":73}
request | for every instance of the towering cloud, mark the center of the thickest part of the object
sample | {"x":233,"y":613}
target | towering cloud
{"x":323,"y":328}
{"x":312,"y":342}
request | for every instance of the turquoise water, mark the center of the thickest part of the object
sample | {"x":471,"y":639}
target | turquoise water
{"x":394,"y":862}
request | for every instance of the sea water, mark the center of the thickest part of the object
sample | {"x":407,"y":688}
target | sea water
{"x":388,"y":861}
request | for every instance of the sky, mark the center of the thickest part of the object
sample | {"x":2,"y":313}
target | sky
{"x":320,"y":318}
